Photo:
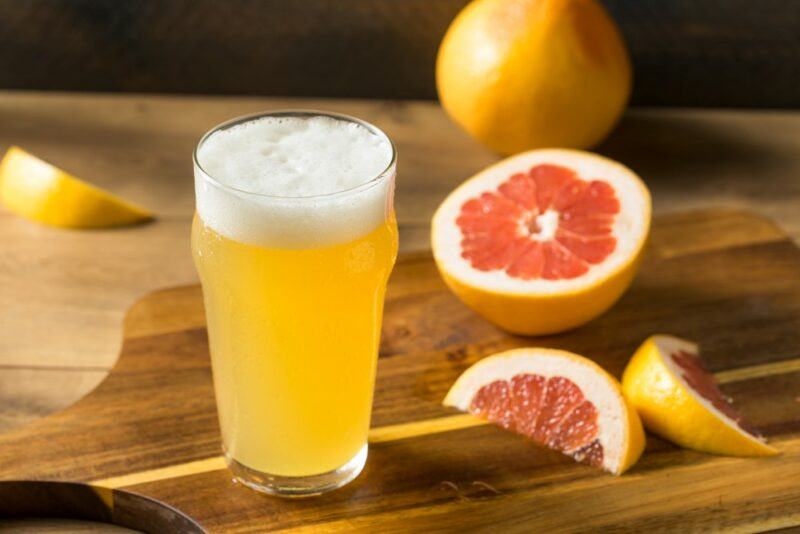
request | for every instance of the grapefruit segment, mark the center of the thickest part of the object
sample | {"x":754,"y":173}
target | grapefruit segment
{"x":542,"y":241}
{"x":679,"y":400}
{"x":559,"y":400}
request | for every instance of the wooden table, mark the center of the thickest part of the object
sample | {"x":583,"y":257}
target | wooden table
{"x":64,"y":292}
{"x":725,"y":278}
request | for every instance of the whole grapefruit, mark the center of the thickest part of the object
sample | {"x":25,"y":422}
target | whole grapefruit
{"x":523,"y":74}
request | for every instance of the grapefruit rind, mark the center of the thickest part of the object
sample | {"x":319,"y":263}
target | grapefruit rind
{"x":620,"y":431}
{"x":536,"y":307}
{"x":670,"y":408}
{"x":39,"y":191}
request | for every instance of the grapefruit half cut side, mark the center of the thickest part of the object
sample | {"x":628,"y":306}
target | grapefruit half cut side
{"x":543,"y":241}
{"x":559,"y":400}
{"x":678,"y":399}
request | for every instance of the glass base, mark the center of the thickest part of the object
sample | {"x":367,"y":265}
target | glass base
{"x":306,"y":486}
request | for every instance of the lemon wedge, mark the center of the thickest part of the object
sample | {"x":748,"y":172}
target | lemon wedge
{"x":46,"y":194}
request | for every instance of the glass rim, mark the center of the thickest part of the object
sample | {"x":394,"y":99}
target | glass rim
{"x":298,"y":112}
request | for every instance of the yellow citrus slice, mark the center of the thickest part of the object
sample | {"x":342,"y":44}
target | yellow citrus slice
{"x":558,"y":399}
{"x":680,"y":401}
{"x":543,"y":241}
{"x":43,"y":193}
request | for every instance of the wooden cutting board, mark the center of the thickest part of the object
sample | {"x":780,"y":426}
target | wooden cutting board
{"x":143,"y":449}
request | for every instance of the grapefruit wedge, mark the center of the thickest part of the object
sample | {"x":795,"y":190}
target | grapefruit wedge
{"x":680,"y":401}
{"x":558,"y":399}
{"x":41,"y":192}
{"x":543,"y":241}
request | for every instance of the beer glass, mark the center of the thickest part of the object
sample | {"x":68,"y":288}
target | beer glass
{"x":293,"y":287}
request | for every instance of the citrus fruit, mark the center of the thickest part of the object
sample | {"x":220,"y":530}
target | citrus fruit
{"x":558,"y":399}
{"x":543,"y":241}
{"x":43,"y":193}
{"x":523,"y":74}
{"x":680,"y":401}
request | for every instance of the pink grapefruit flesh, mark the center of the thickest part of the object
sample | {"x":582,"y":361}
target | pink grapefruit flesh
{"x":545,"y":223}
{"x":551,"y":411}
{"x":702,"y":382}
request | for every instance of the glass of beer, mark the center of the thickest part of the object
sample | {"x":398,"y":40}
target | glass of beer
{"x":294,"y":238}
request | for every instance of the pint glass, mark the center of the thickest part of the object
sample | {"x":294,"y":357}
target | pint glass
{"x":294,"y":238}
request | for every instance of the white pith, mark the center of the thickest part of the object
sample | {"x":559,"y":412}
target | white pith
{"x":667,"y":346}
{"x":596,"y":386}
{"x":630,"y":227}
{"x":547,"y":224}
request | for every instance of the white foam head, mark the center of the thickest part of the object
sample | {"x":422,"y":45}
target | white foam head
{"x":294,"y":179}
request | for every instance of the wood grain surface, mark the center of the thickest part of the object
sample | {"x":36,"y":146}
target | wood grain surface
{"x":63,"y":293}
{"x":726,"y":279}
{"x":711,"y":53}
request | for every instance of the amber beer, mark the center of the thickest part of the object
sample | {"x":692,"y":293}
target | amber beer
{"x":294,"y":239}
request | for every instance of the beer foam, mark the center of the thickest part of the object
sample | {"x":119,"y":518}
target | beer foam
{"x":294,"y":181}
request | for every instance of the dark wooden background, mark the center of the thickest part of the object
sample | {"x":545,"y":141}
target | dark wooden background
{"x":686,"y":52}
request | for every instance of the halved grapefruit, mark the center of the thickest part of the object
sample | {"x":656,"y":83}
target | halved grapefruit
{"x":543,"y":241}
{"x":680,"y":401}
{"x":558,"y":399}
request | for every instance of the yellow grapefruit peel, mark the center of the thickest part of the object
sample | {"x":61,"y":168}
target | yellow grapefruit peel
{"x":41,"y":192}
{"x":670,"y":409}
